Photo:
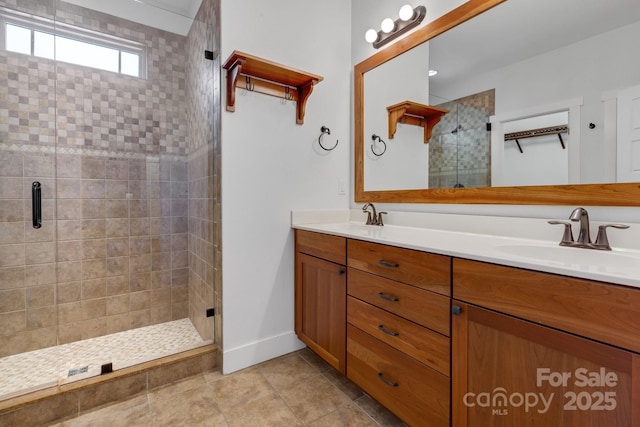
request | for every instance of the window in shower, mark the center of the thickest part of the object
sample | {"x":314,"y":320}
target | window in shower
{"x":66,"y":43}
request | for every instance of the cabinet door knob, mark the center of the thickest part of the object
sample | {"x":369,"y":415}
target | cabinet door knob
{"x":455,"y":309}
{"x":341,"y":271}
{"x":387,"y":381}
{"x":387,"y":331}
{"x":387,"y":297}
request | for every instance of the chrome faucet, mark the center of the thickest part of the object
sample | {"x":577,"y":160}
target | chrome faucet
{"x":374,"y":217}
{"x":581,"y":215}
{"x":584,"y":237}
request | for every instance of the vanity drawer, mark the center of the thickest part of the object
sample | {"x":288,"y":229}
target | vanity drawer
{"x":325,"y":246}
{"x":604,"y":312}
{"x":428,"y":347}
{"x":425,"y":270}
{"x":423,"y":307}
{"x":416,"y":393}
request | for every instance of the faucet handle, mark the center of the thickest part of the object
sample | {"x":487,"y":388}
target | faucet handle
{"x":567,"y":236}
{"x":380,"y":218}
{"x":369,"y":219}
{"x":602,"y":241}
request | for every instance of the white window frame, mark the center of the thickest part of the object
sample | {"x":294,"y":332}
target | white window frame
{"x":34,"y":23}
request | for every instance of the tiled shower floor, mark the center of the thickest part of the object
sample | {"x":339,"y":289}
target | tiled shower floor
{"x":47,"y":367}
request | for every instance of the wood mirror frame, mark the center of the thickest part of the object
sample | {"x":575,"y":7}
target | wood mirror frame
{"x":626,"y":194}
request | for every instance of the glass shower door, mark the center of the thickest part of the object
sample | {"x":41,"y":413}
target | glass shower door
{"x":28,"y":250}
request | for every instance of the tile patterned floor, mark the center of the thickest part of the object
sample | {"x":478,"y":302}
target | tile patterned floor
{"x":297,"y":389}
{"x":43,"y":368}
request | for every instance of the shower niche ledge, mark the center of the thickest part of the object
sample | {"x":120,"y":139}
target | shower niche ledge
{"x":255,"y":74}
{"x":413,"y":113}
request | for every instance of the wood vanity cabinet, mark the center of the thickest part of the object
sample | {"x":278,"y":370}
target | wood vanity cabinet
{"x":398,"y":331}
{"x":532,"y":348}
{"x":523,"y":348}
{"x":320,"y":295}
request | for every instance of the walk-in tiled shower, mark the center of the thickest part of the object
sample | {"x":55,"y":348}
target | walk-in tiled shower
{"x":128,"y":171}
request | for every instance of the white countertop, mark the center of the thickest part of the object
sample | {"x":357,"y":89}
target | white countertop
{"x":621,"y":266}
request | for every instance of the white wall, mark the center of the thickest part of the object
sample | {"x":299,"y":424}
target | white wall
{"x":270,"y":165}
{"x":543,"y":161}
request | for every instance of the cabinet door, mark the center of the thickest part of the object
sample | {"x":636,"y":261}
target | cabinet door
{"x":510,"y":372}
{"x":321,"y":308}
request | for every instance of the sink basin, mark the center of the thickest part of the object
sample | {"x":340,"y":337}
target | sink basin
{"x":357,"y":229}
{"x":352,"y":226}
{"x":584,"y":259}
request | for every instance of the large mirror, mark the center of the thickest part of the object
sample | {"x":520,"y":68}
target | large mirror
{"x":521,"y":66}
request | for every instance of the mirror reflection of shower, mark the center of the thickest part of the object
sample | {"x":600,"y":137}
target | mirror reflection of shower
{"x":459,"y":152}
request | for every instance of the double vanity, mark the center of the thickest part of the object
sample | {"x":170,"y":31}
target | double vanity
{"x":469,"y":329}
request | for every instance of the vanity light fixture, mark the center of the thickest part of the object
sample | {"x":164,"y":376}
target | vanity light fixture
{"x":389,"y":29}
{"x":387,"y":25}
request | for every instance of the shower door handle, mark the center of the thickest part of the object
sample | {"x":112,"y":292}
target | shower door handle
{"x":36,"y":204}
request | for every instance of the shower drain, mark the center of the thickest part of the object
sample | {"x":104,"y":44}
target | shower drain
{"x":77,"y":371}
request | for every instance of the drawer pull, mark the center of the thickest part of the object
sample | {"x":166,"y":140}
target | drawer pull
{"x":388,"y":264}
{"x":387,"y":331}
{"x":387,"y":297}
{"x":387,"y":381}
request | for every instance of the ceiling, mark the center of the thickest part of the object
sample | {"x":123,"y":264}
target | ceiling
{"x":187,"y":8}
{"x":175,"y":16}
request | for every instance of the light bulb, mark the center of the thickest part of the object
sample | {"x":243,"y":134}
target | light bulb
{"x":433,"y":73}
{"x":371,"y":35}
{"x":388,"y":25}
{"x":406,"y":12}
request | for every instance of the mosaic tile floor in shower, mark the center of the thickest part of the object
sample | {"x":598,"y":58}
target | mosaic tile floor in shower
{"x":25,"y":372}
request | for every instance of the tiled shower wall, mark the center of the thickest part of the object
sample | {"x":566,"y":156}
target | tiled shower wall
{"x":113,"y":250}
{"x":203,"y":93}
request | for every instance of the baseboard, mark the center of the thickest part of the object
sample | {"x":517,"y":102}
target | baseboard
{"x":259,"y":351}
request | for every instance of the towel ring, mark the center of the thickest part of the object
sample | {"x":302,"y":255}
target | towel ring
{"x":326,"y":130}
{"x":375,"y":137}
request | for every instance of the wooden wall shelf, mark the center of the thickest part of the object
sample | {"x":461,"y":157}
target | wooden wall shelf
{"x":268,"y":78}
{"x":412,"y":113}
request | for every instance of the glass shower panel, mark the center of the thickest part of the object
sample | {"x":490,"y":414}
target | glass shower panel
{"x":473,"y":146}
{"x":203,"y":120}
{"x":28,"y":311}
{"x":460,"y":147}
{"x":443,"y":149}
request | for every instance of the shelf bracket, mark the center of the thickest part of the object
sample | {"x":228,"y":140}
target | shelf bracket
{"x":415,"y":114}
{"x":561,"y":142}
{"x":304,"y":92}
{"x":233,"y":73}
